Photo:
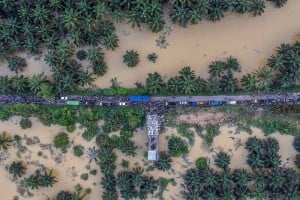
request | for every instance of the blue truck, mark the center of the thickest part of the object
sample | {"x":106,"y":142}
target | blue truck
{"x":215,"y":103}
{"x":139,"y":98}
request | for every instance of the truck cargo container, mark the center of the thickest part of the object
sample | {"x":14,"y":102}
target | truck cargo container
{"x":73,"y":103}
{"x":139,"y":98}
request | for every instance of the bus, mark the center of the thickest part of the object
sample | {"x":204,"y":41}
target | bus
{"x":73,"y":103}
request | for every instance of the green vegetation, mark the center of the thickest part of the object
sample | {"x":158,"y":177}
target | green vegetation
{"x":61,"y":141}
{"x":222,"y":160}
{"x":133,"y":184}
{"x":38,"y":179}
{"x":263,"y":153}
{"x":16,"y":63}
{"x":125,"y":163}
{"x":93,"y":172}
{"x":184,"y":131}
{"x":273,"y":183}
{"x":64,"y":195}
{"x":177,"y":146}
{"x":25,"y":123}
{"x":5,"y":140}
{"x":131,"y":58}
{"x":71,"y":128}
{"x":78,"y":150}
{"x":297,"y":143}
{"x":211,"y":132}
{"x":40,"y":154}
{"x":152,"y":57}
{"x":201,"y":163}
{"x":84,"y":176}
{"x":164,"y":161}
{"x":17,"y":169}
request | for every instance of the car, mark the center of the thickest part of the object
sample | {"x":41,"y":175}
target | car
{"x":298,"y":99}
{"x":232,"y":102}
{"x":201,"y":103}
{"x":64,"y":98}
{"x":122,"y":103}
{"x":170,"y":103}
{"x":183,"y":102}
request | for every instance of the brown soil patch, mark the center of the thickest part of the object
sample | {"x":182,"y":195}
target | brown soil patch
{"x":203,"y":119}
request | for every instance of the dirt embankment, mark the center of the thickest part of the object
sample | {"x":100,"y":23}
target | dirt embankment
{"x":203,"y":119}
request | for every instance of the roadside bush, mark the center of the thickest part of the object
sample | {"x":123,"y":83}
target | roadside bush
{"x":71,"y":128}
{"x":78,"y":150}
{"x":84,"y":176}
{"x":177,"y":146}
{"x":201,"y":163}
{"x":25,"y":123}
{"x":61,"y":141}
{"x":211,"y":132}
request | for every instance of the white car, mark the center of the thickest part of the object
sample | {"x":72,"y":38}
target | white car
{"x":122,"y":103}
{"x":64,"y":98}
{"x":183,"y":103}
{"x":232,"y":102}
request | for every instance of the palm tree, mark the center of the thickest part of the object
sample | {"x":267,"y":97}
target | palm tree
{"x":156,"y":24}
{"x":222,"y":160}
{"x":16,"y":63}
{"x":242,"y":6}
{"x":164,"y":162}
{"x":276,"y":62}
{"x":70,"y":18}
{"x":5,"y":140}
{"x":180,"y":15}
{"x":193,"y":178}
{"x":215,"y":13}
{"x":17,"y":169}
{"x":110,"y":195}
{"x":229,"y":83}
{"x":279,"y":3}
{"x":240,"y":177}
{"x":152,"y":57}
{"x":46,"y":179}
{"x":264,"y":77}
{"x":258,"y":7}
{"x":297,"y":160}
{"x":154,"y":83}
{"x":4,"y":85}
{"x":188,"y":81}
{"x":216,"y":68}
{"x":99,"y":68}
{"x":297,"y":143}
{"x":174,"y":84}
{"x":85,"y":78}
{"x":232,"y":64}
{"x":109,"y":182}
{"x":131,"y":58}
{"x":40,"y":14}
{"x":32,"y":181}
{"x":177,"y":146}
{"x":248,"y":82}
{"x":213,"y":86}
{"x":36,"y":82}
{"x":111,"y":41}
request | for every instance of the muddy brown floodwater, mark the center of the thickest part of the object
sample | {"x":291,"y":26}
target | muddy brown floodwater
{"x":250,"y":39}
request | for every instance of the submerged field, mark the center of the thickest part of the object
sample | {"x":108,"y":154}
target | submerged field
{"x":103,"y":151}
{"x":250,"y":39}
{"x":68,"y":168}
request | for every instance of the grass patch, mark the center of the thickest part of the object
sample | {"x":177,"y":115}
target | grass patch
{"x":184,"y":131}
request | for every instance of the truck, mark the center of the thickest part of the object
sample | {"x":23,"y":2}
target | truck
{"x":73,"y":103}
{"x":215,"y":103}
{"x":139,"y":98}
{"x":193,"y":103}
